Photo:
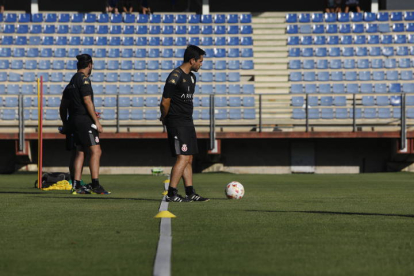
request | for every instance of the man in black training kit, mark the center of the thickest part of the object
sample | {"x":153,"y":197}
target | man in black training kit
{"x":177,"y":115}
{"x":84,"y":123}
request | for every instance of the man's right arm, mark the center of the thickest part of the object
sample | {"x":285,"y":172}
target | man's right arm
{"x":91,"y":111}
{"x":164,"y":108}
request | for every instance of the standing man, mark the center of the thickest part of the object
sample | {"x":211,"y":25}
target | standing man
{"x":177,"y":115}
{"x":84,"y":123}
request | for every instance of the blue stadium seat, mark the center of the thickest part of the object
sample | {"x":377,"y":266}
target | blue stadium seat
{"x":310,"y":76}
{"x":375,"y":51}
{"x":352,"y":88}
{"x":44,"y":64}
{"x":369,"y":16}
{"x":98,"y":77}
{"x":7,"y":40}
{"x":384,"y":28}
{"x":56,"y":77}
{"x":53,"y":102}
{"x":58,"y":65}
{"x":373,"y":39}
{"x":327,"y":113}
{"x":9,"y":29}
{"x":318,"y":29}
{"x":90,"y":18}
{"x":392,"y":75}
{"x":366,"y":88}
{"x":124,"y":77}
{"x":395,"y":100}
{"x":382,"y":16}
{"x":364,"y":75}
{"x":395,"y":87}
{"x":142,"y":18}
{"x":343,"y":17}
{"x":386,"y":39}
{"x":295,"y":52}
{"x":319,"y":52}
{"x":16,"y":64}
{"x":291,"y":18}
{"x":49,"y":29}
{"x":396,"y":16}
{"x":154,"y":53}
{"x":348,"y":51}
{"x":298,"y":101}
{"x":97,"y":88}
{"x":113,"y":65}
{"x":140,"y":64}
{"x":324,"y":88}
{"x":376,"y":64}
{"x":349,"y":63}
{"x":114,"y":53}
{"x":18,"y":52}
{"x":12,"y":89}
{"x":75,"y":41}
{"x":319,"y":40}
{"x":384,"y":113}
{"x":141,"y":53}
{"x":398,"y":27}
{"x":390,"y":63}
{"x":358,"y":28}
{"x":295,"y":76}
{"x":341,"y":113}
{"x":382,"y":100}
{"x":59,"y":52}
{"x":48,"y":40}
{"x":306,"y":40}
{"x":152,"y":77}
{"x":402,"y":51}
{"x":115,"y":18}
{"x":370,"y":113}
{"x":23,"y":18}
{"x":22,"y":40}
{"x":331,"y":28}
{"x":406,"y":75}
{"x":305,"y":29}
{"x":368,"y":100}
{"x":296,"y":88}
{"x":409,"y":27}
{"x":317,"y":17}
{"x":326,"y":101}
{"x":307,"y":52}
{"x":3,"y":76}
{"x":75,"y":29}
{"x":408,"y":87}
{"x":400,"y":39}
{"x":99,"y":65}
{"x":334,"y":51}
{"x":9,"y":114}
{"x":378,"y":75}
{"x":246,"y":29}
{"x":380,"y":88}
{"x":137,"y":114}
{"x":350,"y":76}
{"x":88,"y":29}
{"x":304,"y":18}
{"x":246,"y":40}
{"x":154,"y":30}
{"x":181,"y":29}
{"x":102,"y":29}
{"x":360,"y":39}
{"x":111,"y":77}
{"x":307,"y":64}
{"x":151,"y":114}
{"x":322,"y":64}
{"x":346,"y":39}
{"x":339,"y":101}
{"x":126,"y":65}
{"x":4,"y":64}
{"x":44,"y":75}
{"x":293,"y":40}
{"x":335,"y":64}
{"x":295,"y":64}
{"x":338,"y":88}
{"x":404,"y":63}
{"x":123,"y":114}
{"x":345,"y":28}
{"x":310,"y":88}
{"x":90,"y":40}
{"x":248,"y":101}
{"x":363,"y":63}
{"x":55,"y":89}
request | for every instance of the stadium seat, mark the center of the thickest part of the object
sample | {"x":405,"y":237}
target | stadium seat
{"x":12,"y":89}
{"x":310,"y":76}
{"x":375,"y":51}
{"x":378,"y":75}
{"x":306,"y":40}
{"x":408,"y":87}
{"x":368,"y":100}
{"x":380,"y":88}
{"x":292,"y":40}
{"x":58,"y":65}
{"x":345,"y":28}
{"x":9,"y":114}
{"x":364,"y":75}
{"x":52,"y":114}
{"x":56,"y":77}
{"x":384,"y":28}
{"x":395,"y":100}
{"x":113,"y":65}
{"x":63,"y":18}
{"x":336,"y":88}
{"x":324,"y":88}
{"x":307,"y":52}
{"x":137,"y":114}
{"x":310,"y":88}
{"x":395,"y":87}
{"x":366,"y":88}
{"x":370,"y":113}
{"x":392,"y":75}
{"x":291,"y":18}
{"x":318,"y":29}
{"x":320,"y":52}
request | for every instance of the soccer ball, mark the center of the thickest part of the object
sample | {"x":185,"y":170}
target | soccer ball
{"x":234,"y":190}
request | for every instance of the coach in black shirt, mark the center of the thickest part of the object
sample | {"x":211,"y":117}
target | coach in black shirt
{"x":83,"y":120}
{"x":177,"y":115}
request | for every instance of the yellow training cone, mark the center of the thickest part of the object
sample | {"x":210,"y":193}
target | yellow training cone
{"x":167,"y":181}
{"x":165,"y":193}
{"x":165,"y":214}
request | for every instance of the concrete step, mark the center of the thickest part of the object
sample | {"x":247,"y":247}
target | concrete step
{"x":271,"y":79}
{"x":264,"y":48}
{"x":269,"y":43}
{"x":259,"y":67}
{"x":267,"y":26}
{"x":281,"y":85}
{"x":271,"y":14}
{"x":261,"y":20}
{"x":281,"y":54}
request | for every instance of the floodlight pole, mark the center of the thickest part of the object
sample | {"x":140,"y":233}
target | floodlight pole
{"x":403,"y":144}
{"x":212,"y":124}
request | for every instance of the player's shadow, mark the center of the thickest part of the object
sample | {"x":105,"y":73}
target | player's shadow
{"x":335,"y":213}
{"x":23,"y":193}
{"x":98,"y":197}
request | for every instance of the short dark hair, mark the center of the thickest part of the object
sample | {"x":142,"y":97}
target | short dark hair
{"x":194,"y":52}
{"x":83,"y":61}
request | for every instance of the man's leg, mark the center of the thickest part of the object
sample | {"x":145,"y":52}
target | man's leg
{"x":94,"y":165}
{"x":178,"y":169}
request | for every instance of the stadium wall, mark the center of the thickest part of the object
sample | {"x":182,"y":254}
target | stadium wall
{"x":275,"y":156}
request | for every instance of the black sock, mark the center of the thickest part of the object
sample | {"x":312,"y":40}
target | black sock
{"x":189,"y":190}
{"x":171,"y":191}
{"x":95,"y":183}
{"x":76,"y":184}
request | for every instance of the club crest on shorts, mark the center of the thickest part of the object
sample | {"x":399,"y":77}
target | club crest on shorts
{"x":97,"y":139}
{"x":184,"y":148}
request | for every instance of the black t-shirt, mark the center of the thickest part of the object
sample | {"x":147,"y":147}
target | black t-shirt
{"x":78,"y":87}
{"x":180,"y":87}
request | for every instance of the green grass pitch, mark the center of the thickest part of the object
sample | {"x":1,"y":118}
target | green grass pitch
{"x":285,"y":225}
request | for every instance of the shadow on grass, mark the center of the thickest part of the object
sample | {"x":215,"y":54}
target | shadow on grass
{"x":23,"y":193}
{"x":98,"y":197}
{"x":335,"y":213}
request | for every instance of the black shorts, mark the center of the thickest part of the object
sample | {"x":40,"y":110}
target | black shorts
{"x":86,"y":134}
{"x":182,"y":140}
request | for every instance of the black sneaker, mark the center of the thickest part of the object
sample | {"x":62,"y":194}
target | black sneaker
{"x":176,"y":198}
{"x":99,"y":190}
{"x":196,"y":197}
{"x":82,"y":190}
